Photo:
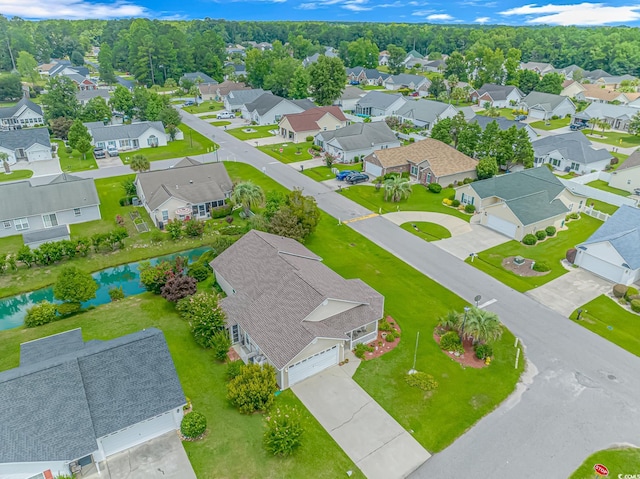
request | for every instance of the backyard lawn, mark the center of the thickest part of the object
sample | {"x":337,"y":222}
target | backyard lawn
{"x":16,"y":175}
{"x":421,"y":199}
{"x":622,"y":462}
{"x":611,"y":321}
{"x":74,"y":162}
{"x":551,"y":251}
{"x":552,"y":124}
{"x":604,"y":186}
{"x":193,"y":144}
{"x":204,"y":107}
{"x":323,"y":173}
{"x":504,"y":112}
{"x":602,"y":206}
{"x":291,"y":152}
{"x":625,"y":140}
{"x":427,"y":231}
{"x":255,"y":133}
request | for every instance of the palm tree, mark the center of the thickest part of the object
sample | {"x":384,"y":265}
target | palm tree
{"x":604,"y":125}
{"x":247,"y":194}
{"x":594,"y":122}
{"x":396,"y":188}
{"x":140,"y":163}
{"x":450,"y":321}
{"x":482,"y":326}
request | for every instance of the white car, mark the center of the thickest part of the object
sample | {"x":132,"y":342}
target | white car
{"x":225,"y":115}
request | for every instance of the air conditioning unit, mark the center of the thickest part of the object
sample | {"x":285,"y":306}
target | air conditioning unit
{"x":260,"y":360}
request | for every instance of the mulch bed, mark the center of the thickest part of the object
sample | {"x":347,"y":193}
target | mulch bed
{"x":381,"y":345}
{"x":523,"y":269}
{"x":468,"y":358}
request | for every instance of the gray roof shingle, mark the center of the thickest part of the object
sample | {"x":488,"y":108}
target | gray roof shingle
{"x":361,"y":136}
{"x":547,"y":101}
{"x":202,"y":77}
{"x":84,"y":95}
{"x":503,"y":123}
{"x":100,"y":132}
{"x":10,"y":111}
{"x":24,"y":138}
{"x":379,"y":99}
{"x":498,"y":92}
{"x":241,"y":97}
{"x":423,"y":110}
{"x":573,"y":146}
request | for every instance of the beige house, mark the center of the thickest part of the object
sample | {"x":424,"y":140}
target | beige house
{"x":296,"y":127}
{"x":572,"y":89}
{"x":426,"y":161}
{"x":627,"y":176}
{"x":516,"y":204}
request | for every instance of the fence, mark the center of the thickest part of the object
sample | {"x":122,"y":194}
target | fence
{"x":588,"y":178}
{"x":596,"y":194}
{"x":405,"y":136}
{"x":596,"y":214}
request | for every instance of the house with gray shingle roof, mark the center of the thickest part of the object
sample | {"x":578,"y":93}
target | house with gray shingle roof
{"x":83,"y":96}
{"x":545,"y":106}
{"x":143,"y":134}
{"x":236,"y":99}
{"x":189,"y":189}
{"x":71,"y":403}
{"x":617,"y":116}
{"x":24,"y":113}
{"x":65,"y":200}
{"x":416,"y":83}
{"x":198,"y":78}
{"x":26,"y":144}
{"x":499,"y":96}
{"x":366,"y":76}
{"x":426,"y":113}
{"x":570,"y":152}
{"x":357,"y":140}
{"x":503,"y":124}
{"x":613,"y":251}
{"x":286,"y":308}
{"x":627,"y":175}
{"x":517,"y":204}
{"x":268,"y":109}
{"x":379,"y":104}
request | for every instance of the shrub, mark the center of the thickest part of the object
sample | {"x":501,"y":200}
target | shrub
{"x":253,"y":389}
{"x":233,"y":369}
{"x":620,"y":290}
{"x":483,"y":351}
{"x":157,"y":236}
{"x":468,"y":208}
{"x":199,"y":271}
{"x":193,"y":228}
{"x":283,"y":431}
{"x":309,"y":138}
{"x":153,"y":278}
{"x":362,"y":348}
{"x":447,"y":202}
{"x":221,"y":343}
{"x":383,"y":325}
{"x":574,"y":216}
{"x":39,"y":314}
{"x":390,"y":337}
{"x":178,"y":287}
{"x":67,"y":309}
{"x":435,"y":188}
{"x":614,"y":161}
{"x":316,"y":147}
{"x":571,"y":255}
{"x":455,"y":203}
{"x":174,"y":228}
{"x":450,"y":341}
{"x":542,"y":234}
{"x":228,"y":219}
{"x":466,"y":181}
{"x":541,"y":267}
{"x":68,"y":150}
{"x":193,"y":425}
{"x":635,"y":305}
{"x":116,"y":293}
{"x":126,"y":200}
{"x":119,"y":220}
{"x":550,"y":230}
{"x":529,"y":240}
{"x":631,"y":291}
{"x":221,"y":212}
{"x":421,"y":380}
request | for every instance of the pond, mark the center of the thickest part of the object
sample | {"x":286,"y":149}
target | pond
{"x":14,"y":308}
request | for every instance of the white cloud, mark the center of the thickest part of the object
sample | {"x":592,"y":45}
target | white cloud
{"x":307,"y":6}
{"x":71,"y":9}
{"x":580,"y":14}
{"x":421,"y":13}
{"x":482,"y":20}
{"x":439,"y":17}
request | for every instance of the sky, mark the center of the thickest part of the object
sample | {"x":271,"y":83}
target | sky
{"x":506,"y":12}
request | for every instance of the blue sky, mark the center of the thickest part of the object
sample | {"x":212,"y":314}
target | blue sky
{"x":510,"y":12}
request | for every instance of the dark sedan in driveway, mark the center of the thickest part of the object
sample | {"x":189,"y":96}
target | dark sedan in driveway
{"x":356,"y":178}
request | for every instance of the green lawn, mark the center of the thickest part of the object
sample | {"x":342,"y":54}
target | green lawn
{"x":604,"y":186}
{"x":233,"y":447}
{"x":204,"y":107}
{"x":291,"y":152}
{"x":16,"y":175}
{"x":220,"y":123}
{"x":323,"y":173}
{"x":620,"y":462}
{"x":260,"y":132}
{"x":611,"y":321}
{"x":551,"y":251}
{"x":504,"y":112}
{"x":74,"y":162}
{"x":372,"y":87}
{"x":602,"y":206}
{"x":427,"y":231}
{"x":621,"y":158}
{"x":193,"y":144}
{"x":624,"y":140}
{"x":552,"y":124}
{"x":421,"y":199}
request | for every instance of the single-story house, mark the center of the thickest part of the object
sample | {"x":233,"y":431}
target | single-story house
{"x":617,"y":116}
{"x":143,"y":134}
{"x":83,"y":96}
{"x":570,"y":152}
{"x":71,"y":404}
{"x":357,"y":140}
{"x":595,"y":75}
{"x":520,"y":203}
{"x":504,"y":124}
{"x":539,"y":68}
{"x":35,"y":238}
{"x":314,"y":58}
{"x":426,"y":161}
{"x":64,"y":67}
{"x":65,"y":200}
{"x":545,"y":106}
{"x":383,"y":58}
{"x":377,"y":103}
{"x":366,"y":76}
{"x":198,"y":78}
{"x":189,"y":189}
{"x":568,"y":72}
{"x":82,"y":82}
{"x":236,"y":70}
{"x":236,"y":49}
{"x":296,"y":127}
{"x":405,"y":80}
{"x":613,"y":251}
{"x":24,"y":113}
{"x":435,"y":66}
{"x":600,"y":94}
{"x":573,"y":89}
{"x":413,"y":55}
{"x":221,"y":90}
{"x":286,"y":308}
{"x":268,"y":108}
{"x":425,"y":113}
{"x":349,"y":98}
{"x":236,"y":99}
{"x":614,"y":81}
{"x":627,"y":175}
{"x":499,"y":96}
{"x":28,"y":144}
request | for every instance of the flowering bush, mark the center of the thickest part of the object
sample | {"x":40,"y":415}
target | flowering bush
{"x":283,"y":431}
{"x":119,"y":220}
{"x":204,"y":315}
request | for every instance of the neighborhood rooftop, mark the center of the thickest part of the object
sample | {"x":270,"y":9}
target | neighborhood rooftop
{"x":9,"y":111}
{"x":307,"y":120}
{"x":361,"y":136}
{"x":378,"y":99}
{"x":24,"y":138}
{"x":100,"y":132}
{"x":572,"y":145}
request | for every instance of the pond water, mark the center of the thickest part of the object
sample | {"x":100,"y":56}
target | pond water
{"x":14,"y":308}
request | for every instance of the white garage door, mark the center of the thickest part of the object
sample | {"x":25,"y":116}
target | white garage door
{"x":372,"y":169}
{"x":601,"y":268}
{"x":312,"y":365}
{"x":501,"y":226}
{"x":537,"y":114}
{"x":137,"y":434}
{"x":39,"y":155}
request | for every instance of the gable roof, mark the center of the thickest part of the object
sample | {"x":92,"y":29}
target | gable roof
{"x":227,"y":86}
{"x":606,"y":110}
{"x":547,"y":101}
{"x":100,"y":132}
{"x":65,"y":192}
{"x":536,"y":207}
{"x":541,"y":67}
{"x":503,"y":123}
{"x":189,"y":181}
{"x":596,"y":74}
{"x":351,"y":92}
{"x":592,"y":90}
{"x":361,"y":136}
{"x":55,"y":407}
{"x":369,"y":73}
{"x":379,"y":99}
{"x":10,"y":111}
{"x":498,"y":92}
{"x":268,"y":101}
{"x":632,"y":161}
{"x":241,"y":97}
{"x":423,"y":110}
{"x":406,"y":79}
{"x":194,"y":76}
{"x":622,"y":230}
{"x":278,"y":283}
{"x":24,"y":138}
{"x":443,"y":159}
{"x":415,"y":54}
{"x":89,"y":94}
{"x":573,"y":146}
{"x":307,"y":120}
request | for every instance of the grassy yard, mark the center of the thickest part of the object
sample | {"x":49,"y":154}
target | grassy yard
{"x":504,"y":112}
{"x":620,"y":462}
{"x":624,"y":140}
{"x":16,"y":175}
{"x":74,"y":162}
{"x":204,"y":107}
{"x":233,"y":447}
{"x":611,"y":321}
{"x":193,"y":144}
{"x":602,"y":206}
{"x":259,"y":132}
{"x":291,"y":152}
{"x":604,"y":186}
{"x":551,"y":251}
{"x":552,"y":124}
{"x":323,"y":173}
{"x":621,"y":158}
{"x":421,"y":199}
{"x":427,"y":231}
{"x":372,"y":87}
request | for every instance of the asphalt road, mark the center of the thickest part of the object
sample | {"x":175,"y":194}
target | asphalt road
{"x":579,"y":394}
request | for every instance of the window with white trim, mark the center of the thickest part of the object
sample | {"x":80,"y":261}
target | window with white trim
{"x":50,"y":220}
{"x":77,"y":212}
{"x":21,"y":224}
{"x":165,"y":215}
{"x":6,"y":224}
{"x":414,"y":170}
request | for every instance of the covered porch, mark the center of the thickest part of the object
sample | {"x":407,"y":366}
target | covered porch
{"x":363,"y":334}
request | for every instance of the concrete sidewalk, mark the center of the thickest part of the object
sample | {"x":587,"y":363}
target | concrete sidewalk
{"x":378,"y":445}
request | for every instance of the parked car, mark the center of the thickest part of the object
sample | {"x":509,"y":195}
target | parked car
{"x":189,"y":103}
{"x":344,"y":173}
{"x":112,"y":150}
{"x":577,"y":126}
{"x":636,"y":191}
{"x":356,"y":178}
{"x":99,"y":153}
{"x":520,"y":117}
{"x":225,"y":115}
{"x":354,"y":82}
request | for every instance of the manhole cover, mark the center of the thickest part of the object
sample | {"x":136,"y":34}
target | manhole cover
{"x":612,"y":377}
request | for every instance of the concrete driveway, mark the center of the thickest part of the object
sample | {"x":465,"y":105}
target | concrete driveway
{"x":478,"y":238}
{"x":378,"y":445}
{"x":161,"y":458}
{"x":455,"y":225}
{"x":570,"y":291}
{"x":39,"y":168}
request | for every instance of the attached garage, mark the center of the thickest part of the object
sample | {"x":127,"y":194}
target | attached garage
{"x":372,"y":169}
{"x":501,"y":226}
{"x":138,"y":433}
{"x":538,"y":113}
{"x":601,"y":267}
{"x":313,"y":364}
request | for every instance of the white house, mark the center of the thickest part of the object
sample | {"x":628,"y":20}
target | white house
{"x":357,"y":140}
{"x":617,"y":116}
{"x":27,"y":144}
{"x":377,"y":103}
{"x":84,"y":96}
{"x":570,"y":152}
{"x":499,"y":96}
{"x":349,"y":98}
{"x":235,"y":99}
{"x":144,"y":134}
{"x":545,"y":106}
{"x":412,"y":82}
{"x":25,"y":113}
{"x":426,"y":113}
{"x":268,"y":109}
{"x":627,"y":175}
{"x":537,"y":67}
